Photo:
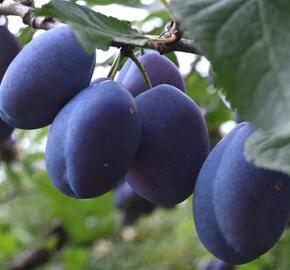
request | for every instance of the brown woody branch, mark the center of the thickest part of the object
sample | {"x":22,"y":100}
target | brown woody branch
{"x":28,"y":18}
{"x":39,"y":22}
{"x":36,"y":256}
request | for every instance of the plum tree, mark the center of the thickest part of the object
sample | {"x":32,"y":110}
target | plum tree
{"x":130,"y":204}
{"x":235,"y":204}
{"x":93,"y":140}
{"x":173,"y":147}
{"x":53,"y":68}
{"x":159,"y":69}
{"x":9,"y":48}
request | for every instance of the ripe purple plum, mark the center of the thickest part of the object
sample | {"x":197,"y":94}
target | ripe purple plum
{"x":93,"y":141}
{"x":9,"y":48}
{"x":159,"y":69}
{"x":174,"y":145}
{"x":240,"y":211}
{"x":49,"y":71}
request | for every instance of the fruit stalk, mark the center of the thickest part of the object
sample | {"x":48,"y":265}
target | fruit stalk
{"x":133,"y":57}
{"x":115,"y":66}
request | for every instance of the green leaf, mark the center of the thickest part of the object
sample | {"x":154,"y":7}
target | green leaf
{"x":92,"y":29}
{"x":75,"y":258}
{"x":83,"y":220}
{"x":25,"y":35}
{"x":269,"y":151}
{"x":209,"y":99}
{"x":247,"y":43}
{"x":133,"y":3}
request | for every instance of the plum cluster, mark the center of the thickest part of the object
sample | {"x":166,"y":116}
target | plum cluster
{"x":240,"y":211}
{"x":103,"y":131}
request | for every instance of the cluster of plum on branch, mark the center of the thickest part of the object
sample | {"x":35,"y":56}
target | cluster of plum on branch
{"x":104,"y":131}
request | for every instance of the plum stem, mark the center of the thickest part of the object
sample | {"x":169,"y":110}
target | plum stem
{"x":142,"y":52}
{"x":130,"y":53}
{"x":115,"y":66}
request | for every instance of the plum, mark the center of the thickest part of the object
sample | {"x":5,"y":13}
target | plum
{"x":130,"y":204}
{"x":93,"y":140}
{"x":173,"y":147}
{"x":9,"y":48}
{"x":159,"y":69}
{"x":8,"y":150}
{"x":43,"y":77}
{"x":240,"y":211}
{"x":5,"y":131}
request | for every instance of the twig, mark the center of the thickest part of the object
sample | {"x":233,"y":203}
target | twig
{"x":36,"y":256}
{"x":39,"y":22}
{"x":26,"y":13}
{"x":183,"y":45}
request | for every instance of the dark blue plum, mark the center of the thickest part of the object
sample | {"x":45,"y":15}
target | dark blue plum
{"x":130,"y":204}
{"x":93,"y":140}
{"x":43,"y":77}
{"x":7,"y":150}
{"x":9,"y":48}
{"x":173,"y":147}
{"x":240,"y":211}
{"x":159,"y":69}
{"x":5,"y":131}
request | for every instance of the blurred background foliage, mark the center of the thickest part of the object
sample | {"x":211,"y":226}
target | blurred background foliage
{"x":36,"y":220}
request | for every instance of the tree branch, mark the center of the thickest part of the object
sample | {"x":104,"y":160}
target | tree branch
{"x":28,"y":18}
{"x":39,"y":22}
{"x":183,"y":45}
{"x":37,"y":256}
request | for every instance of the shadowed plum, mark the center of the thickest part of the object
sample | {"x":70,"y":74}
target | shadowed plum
{"x":5,"y":131}
{"x":8,"y":150}
{"x":173,"y":147}
{"x":130,"y":204}
{"x":50,"y":70}
{"x":93,"y":140}
{"x":240,"y":211}
{"x":159,"y":69}
{"x":9,"y":48}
